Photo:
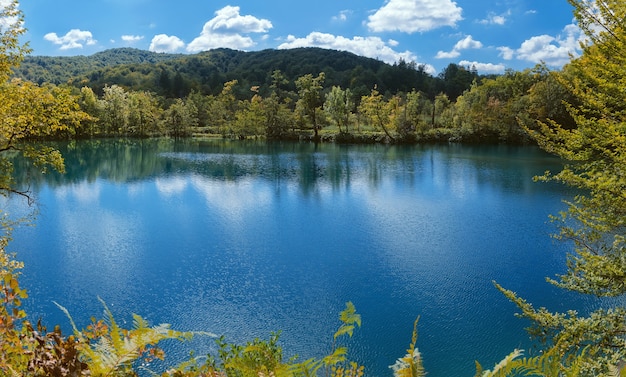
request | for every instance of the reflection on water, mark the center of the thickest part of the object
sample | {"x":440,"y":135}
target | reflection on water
{"x":244,"y":238}
{"x":310,"y":167}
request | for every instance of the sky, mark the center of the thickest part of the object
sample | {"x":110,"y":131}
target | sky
{"x":492,"y":35}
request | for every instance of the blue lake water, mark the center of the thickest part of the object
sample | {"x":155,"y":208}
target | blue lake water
{"x":246,"y":238}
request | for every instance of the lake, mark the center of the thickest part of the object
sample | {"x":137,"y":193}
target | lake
{"x":246,"y":238}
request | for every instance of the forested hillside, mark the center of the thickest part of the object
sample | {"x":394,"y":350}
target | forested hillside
{"x":176,"y":75}
{"x":295,"y":94}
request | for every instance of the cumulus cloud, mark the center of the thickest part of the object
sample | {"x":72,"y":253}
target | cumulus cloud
{"x":506,"y":53}
{"x":228,"y":29}
{"x":495,"y":19}
{"x":372,"y":47}
{"x":554,"y":51}
{"x":464,"y":44}
{"x":411,"y":16}
{"x":484,"y":68}
{"x":166,"y":43}
{"x":74,"y":38}
{"x":8,"y":22}
{"x":132,"y":38}
{"x":342,"y":16}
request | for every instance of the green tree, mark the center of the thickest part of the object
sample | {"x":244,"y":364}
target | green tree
{"x":202,"y":104}
{"x":310,"y":99}
{"x":223,"y":108}
{"x":114,"y":104}
{"x":278,"y":117}
{"x":416,"y":107}
{"x":144,"y":114}
{"x":11,"y":50}
{"x":88,"y":102}
{"x":339,"y":105}
{"x":378,"y":112}
{"x":250,"y":118}
{"x":180,"y":118}
{"x":595,"y":152}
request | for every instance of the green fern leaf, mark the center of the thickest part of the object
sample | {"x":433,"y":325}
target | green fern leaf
{"x":504,"y":367}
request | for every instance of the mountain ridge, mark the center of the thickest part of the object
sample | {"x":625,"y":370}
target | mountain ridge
{"x":176,"y":75}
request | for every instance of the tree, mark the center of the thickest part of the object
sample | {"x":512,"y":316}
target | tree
{"x":250,"y":118}
{"x":595,"y":222}
{"x":180,"y":117}
{"x":278,"y":117}
{"x":311,"y":99}
{"x":144,"y":113}
{"x":88,"y":102}
{"x":28,"y":111}
{"x":114,"y":104}
{"x":378,"y":111}
{"x":416,"y":106}
{"x":339,"y":105}
{"x":223,"y":108}
{"x":11,"y":28}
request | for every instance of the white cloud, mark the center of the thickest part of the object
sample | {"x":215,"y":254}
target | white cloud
{"x":342,"y":16}
{"x":554,"y":51}
{"x":506,"y":53}
{"x":74,"y":38}
{"x":166,"y":43}
{"x":411,"y":16}
{"x":228,"y":29}
{"x":447,"y":55}
{"x":495,"y":19}
{"x":8,"y":22}
{"x":372,"y":47}
{"x":464,"y":44}
{"x":484,"y":68}
{"x":132,"y":38}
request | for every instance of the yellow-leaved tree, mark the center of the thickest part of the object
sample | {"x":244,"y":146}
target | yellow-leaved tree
{"x":28,"y":111}
{"x":595,"y":223}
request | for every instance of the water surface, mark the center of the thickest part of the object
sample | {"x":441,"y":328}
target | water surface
{"x":245,"y":238}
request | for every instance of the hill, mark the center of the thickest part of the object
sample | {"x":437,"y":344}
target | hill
{"x":176,"y":75}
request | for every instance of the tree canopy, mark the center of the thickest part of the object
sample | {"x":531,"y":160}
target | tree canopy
{"x":595,"y":222}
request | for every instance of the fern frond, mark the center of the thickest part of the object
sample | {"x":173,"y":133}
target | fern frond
{"x":307,"y":368}
{"x":338,"y":356}
{"x":479,"y":369}
{"x":617,"y":370}
{"x":502,"y":369}
{"x":411,"y":364}
{"x":116,"y":349}
{"x":344,"y":329}
{"x":69,"y":317}
{"x":349,"y":318}
{"x":139,"y":322}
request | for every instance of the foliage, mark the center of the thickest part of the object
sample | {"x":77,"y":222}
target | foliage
{"x":110,"y":350}
{"x":595,"y":152}
{"x":27,"y":110}
{"x":11,"y":51}
{"x":177,"y":75}
{"x":411,"y":364}
{"x":339,"y":105}
{"x":498,"y":109}
{"x":378,"y":111}
{"x":311,"y":100}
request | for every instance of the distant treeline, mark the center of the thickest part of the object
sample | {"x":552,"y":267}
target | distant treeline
{"x":307,"y":93}
{"x":177,"y":75}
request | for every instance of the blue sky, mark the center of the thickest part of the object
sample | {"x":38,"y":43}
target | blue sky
{"x":491,"y":34}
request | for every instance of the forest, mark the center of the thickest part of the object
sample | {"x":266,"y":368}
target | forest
{"x":301,"y":94}
{"x":576,"y":113}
